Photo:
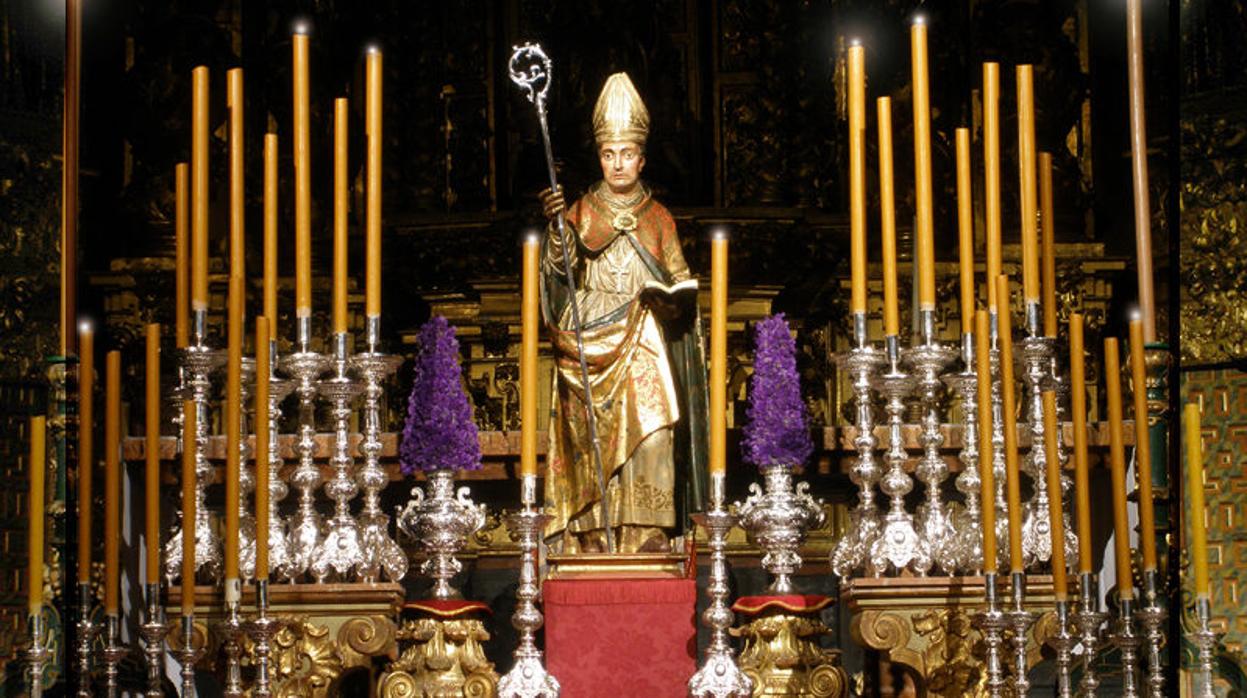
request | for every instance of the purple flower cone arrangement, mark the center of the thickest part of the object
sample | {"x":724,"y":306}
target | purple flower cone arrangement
{"x":439,"y":433}
{"x":776,"y":432}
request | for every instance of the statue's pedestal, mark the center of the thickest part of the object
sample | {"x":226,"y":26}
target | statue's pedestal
{"x":442,"y":653}
{"x":781,"y":650}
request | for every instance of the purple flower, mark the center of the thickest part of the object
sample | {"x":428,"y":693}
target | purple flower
{"x":775,"y":431}
{"x":439,"y":433}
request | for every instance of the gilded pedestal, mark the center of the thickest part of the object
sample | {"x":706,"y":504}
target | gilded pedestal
{"x":441,"y":655}
{"x":782,"y":656}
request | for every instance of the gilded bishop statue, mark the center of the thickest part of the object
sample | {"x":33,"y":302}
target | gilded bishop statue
{"x":643,"y":350}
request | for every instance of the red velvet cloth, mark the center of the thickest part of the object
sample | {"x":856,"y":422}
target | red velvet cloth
{"x":621,"y":637}
{"x":796,"y":603}
{"x":447,"y":608}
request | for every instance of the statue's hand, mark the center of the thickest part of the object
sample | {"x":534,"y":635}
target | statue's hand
{"x":552,"y":202}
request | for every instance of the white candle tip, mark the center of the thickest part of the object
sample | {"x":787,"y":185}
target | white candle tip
{"x":720,"y":234}
{"x":301,"y":28}
{"x":920,"y":20}
{"x":84,"y":326}
{"x":855,"y":42}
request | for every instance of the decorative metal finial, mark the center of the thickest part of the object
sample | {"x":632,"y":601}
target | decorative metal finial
{"x":530,"y":69}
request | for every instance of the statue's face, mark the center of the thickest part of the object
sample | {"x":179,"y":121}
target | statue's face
{"x":622,"y":162}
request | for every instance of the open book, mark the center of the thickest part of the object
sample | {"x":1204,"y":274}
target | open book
{"x":670,"y":302}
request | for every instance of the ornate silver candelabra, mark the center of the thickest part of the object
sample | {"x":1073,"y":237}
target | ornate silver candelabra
{"x":1128,"y":641}
{"x":777,"y":519}
{"x":37,"y":654}
{"x":998,"y":443}
{"x":340,"y":550}
{"x":1063,"y":642}
{"x":153,"y":631}
{"x":246,"y":476}
{"x":280,"y":559}
{"x":852,"y":551}
{"x":719,"y":676}
{"x":188,"y":654}
{"x":232,"y":631}
{"x":86,"y":630}
{"x":381,"y":552}
{"x":304,"y":367}
{"x":1019,"y":621}
{"x":968,"y":519}
{"x":928,"y":360}
{"x":1152,"y":617}
{"x":261,"y":629}
{"x":112,"y":653}
{"x":528,"y":677}
{"x":441,"y":521}
{"x":1206,"y":640}
{"x":898,"y":544}
{"x":1088,"y":620}
{"x":991,"y":622}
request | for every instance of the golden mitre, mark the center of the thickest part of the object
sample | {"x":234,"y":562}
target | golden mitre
{"x":620,"y":115}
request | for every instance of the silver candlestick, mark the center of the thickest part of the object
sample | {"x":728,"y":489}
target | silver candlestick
{"x":719,"y":676}
{"x":934,"y":520}
{"x":1063,"y":641}
{"x":246,"y":475}
{"x":1036,"y":357}
{"x":188,"y":654}
{"x":777,"y":520}
{"x":37,"y":654}
{"x":441,"y":520}
{"x":1088,"y":620}
{"x":1128,"y":641}
{"x":998,"y":442}
{"x":232,"y":630}
{"x":279,"y":555}
{"x":898,"y":544}
{"x":112,"y":653}
{"x":153,"y":631}
{"x":381,"y":552}
{"x":852,"y":551}
{"x":1206,"y":641}
{"x":1019,"y":620}
{"x":528,"y":677}
{"x":991,"y":622}
{"x":968,"y":519}
{"x":1152,"y":617}
{"x":86,"y":631}
{"x":304,"y":528}
{"x":340,"y":551}
{"x":262,"y":628}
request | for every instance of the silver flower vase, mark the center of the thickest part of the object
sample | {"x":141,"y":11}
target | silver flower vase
{"x":777,"y":519}
{"x":441,"y":519}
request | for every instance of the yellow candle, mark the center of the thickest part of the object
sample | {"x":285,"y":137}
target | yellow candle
{"x":991,"y":175}
{"x":1195,"y":490}
{"x":1056,"y":514}
{"x":237,"y":179}
{"x":86,"y":442}
{"x":718,"y":353}
{"x":262,"y":360}
{"x":887,"y":218}
{"x":922,"y":167}
{"x":1026,"y":181}
{"x":38,"y":466}
{"x":1117,"y":461}
{"x":152,"y":483}
{"x":182,"y":270}
{"x":1078,"y":410}
{"x":112,"y":481}
{"x":188,"y":508}
{"x":372,"y":300}
{"x":302,"y":182}
{"x":1048,"y":245}
{"x":1138,"y":168}
{"x":199,"y":188}
{"x":341,"y":204}
{"x":233,"y":427}
{"x":987,"y":477}
{"x":857,"y":177}
{"x":1013,"y":487}
{"x":965,"y":230}
{"x":1143,"y":447}
{"x":528,"y":356}
{"x":270,"y":232}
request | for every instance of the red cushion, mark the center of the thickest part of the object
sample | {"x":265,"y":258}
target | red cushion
{"x":446,"y":608}
{"x":797,"y":603}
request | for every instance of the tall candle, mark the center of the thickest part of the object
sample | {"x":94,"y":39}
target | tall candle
{"x":887,"y":219}
{"x":182,"y":254}
{"x":372,"y":300}
{"x":1138,"y":169}
{"x":112,"y":481}
{"x":341,"y":205}
{"x":38,"y":467}
{"x":987,"y":476}
{"x":1195,"y":490}
{"x":270,"y":232}
{"x":1142,"y":447}
{"x":718,"y":352}
{"x":262,"y":436}
{"x":529,"y":320}
{"x":1078,"y":410}
{"x":152,"y":444}
{"x":302,"y":182}
{"x":1047,"y":245}
{"x":1056,"y":514}
{"x":1117,"y":462}
{"x":857,"y":177}
{"x":188,"y":508}
{"x":991,"y":176}
{"x":1026,"y":184}
{"x":233,"y":428}
{"x":965,"y":230}
{"x":1013,"y":487}
{"x":86,"y":442}
{"x":199,"y":188}
{"x":922,"y":166}
{"x":237,"y":178}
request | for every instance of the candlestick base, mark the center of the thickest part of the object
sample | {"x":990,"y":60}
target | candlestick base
{"x":188,"y":655}
{"x":1152,"y":618}
{"x":262,"y":630}
{"x":1019,"y":620}
{"x":1206,"y":642}
{"x":528,"y":678}
{"x":112,"y":653}
{"x":719,"y":676}
{"x":232,"y":630}
{"x":852,"y":551}
{"x":37,"y":654}
{"x":86,"y":631}
{"x":991,"y":622}
{"x":153,"y":630}
{"x":1063,"y":641}
{"x":1128,"y":641}
{"x":1088,"y":619}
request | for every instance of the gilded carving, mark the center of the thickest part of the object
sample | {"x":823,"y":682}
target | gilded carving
{"x":306,"y":660}
{"x":445,"y":658}
{"x":361,"y":638}
{"x":782,"y":656}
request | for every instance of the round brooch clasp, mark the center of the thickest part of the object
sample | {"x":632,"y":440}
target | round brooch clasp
{"x":625,"y":222}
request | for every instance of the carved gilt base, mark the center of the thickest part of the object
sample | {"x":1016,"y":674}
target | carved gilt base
{"x":782,"y":656}
{"x":444,"y":659}
{"x":926,"y":625}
